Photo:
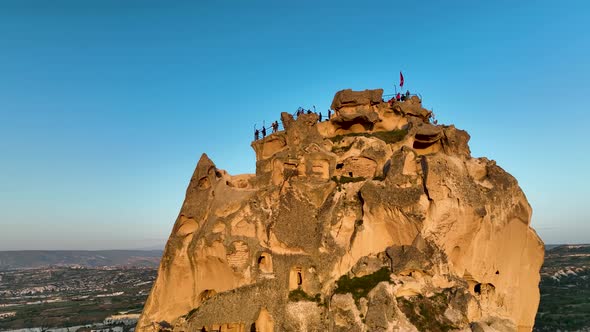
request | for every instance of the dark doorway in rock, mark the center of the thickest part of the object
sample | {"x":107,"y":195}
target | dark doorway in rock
{"x":477,"y":289}
{"x":265,"y":263}
{"x":253,"y":327}
{"x":480,"y":289}
{"x":299,"y":279}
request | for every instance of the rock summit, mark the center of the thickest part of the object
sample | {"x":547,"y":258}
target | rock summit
{"x":374,"y":220}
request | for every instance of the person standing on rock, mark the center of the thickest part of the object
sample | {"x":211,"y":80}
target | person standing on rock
{"x":407,"y":94}
{"x":319,"y":117}
{"x":329,"y":114}
{"x":263,"y":132}
{"x":398,"y":97}
{"x":256,"y":134}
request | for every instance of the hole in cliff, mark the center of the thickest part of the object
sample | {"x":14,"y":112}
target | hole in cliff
{"x":480,"y":289}
{"x":295,"y":278}
{"x":265,"y":263}
{"x":422,"y":145}
{"x":165,"y":325}
{"x":350,"y":174}
{"x":497,"y":272}
{"x":253,"y":327}
{"x":477,"y":289}
{"x":218,"y":174}
{"x":203,"y":329}
{"x":339,"y":165}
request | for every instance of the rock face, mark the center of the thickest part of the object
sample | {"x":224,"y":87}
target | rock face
{"x":375,"y":220}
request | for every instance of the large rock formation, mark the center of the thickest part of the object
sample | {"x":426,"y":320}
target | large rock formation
{"x":375,"y":220}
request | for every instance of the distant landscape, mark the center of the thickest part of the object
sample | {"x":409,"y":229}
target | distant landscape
{"x":51,"y":289}
{"x":31,"y":259}
{"x":565,"y":290}
{"x":98,"y":289}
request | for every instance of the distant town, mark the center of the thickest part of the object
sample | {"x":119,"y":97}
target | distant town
{"x":75,"y":297}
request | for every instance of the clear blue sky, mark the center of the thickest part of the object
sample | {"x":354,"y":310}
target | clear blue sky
{"x":106,"y":106}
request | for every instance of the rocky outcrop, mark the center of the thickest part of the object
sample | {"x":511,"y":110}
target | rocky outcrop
{"x":375,"y":220}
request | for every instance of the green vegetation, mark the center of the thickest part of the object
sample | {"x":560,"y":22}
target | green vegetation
{"x":427,"y":313}
{"x":390,"y":137}
{"x":379,"y":178}
{"x":190,"y":313}
{"x":341,"y":149}
{"x":298,"y":294}
{"x":347,"y":179}
{"x":360,"y":287}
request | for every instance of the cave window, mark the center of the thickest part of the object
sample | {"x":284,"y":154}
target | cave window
{"x":295,"y":278}
{"x":339,"y":165}
{"x":350,"y":174}
{"x":253,"y":327}
{"x":265,"y":263}
{"x":497,"y":272}
{"x":477,"y":289}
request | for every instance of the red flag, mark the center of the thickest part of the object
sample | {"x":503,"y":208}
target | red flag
{"x":401,"y":80}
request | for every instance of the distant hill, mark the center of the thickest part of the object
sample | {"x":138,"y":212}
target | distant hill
{"x":26,"y":259}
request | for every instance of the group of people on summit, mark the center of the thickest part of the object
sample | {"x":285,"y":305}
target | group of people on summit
{"x":275,"y":125}
{"x":400,"y":97}
{"x":300,"y":111}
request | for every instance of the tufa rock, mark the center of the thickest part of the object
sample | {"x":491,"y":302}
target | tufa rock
{"x":375,"y":220}
{"x":351,"y":98}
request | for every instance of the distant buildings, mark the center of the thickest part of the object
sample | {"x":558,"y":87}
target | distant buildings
{"x":127,"y":319}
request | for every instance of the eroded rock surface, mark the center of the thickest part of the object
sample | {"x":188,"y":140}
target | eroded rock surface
{"x":376,"y":220}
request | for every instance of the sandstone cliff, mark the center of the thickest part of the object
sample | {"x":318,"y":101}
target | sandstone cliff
{"x":376,"y":220}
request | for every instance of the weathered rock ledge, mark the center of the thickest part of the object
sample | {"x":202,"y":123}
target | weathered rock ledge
{"x":375,"y":220}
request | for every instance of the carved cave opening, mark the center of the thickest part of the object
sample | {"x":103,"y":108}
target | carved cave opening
{"x":265,"y":263}
{"x":482,"y":288}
